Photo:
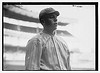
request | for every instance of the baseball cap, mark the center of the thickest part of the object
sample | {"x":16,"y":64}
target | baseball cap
{"x":47,"y":11}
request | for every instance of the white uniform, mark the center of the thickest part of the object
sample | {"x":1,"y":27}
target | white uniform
{"x":48,"y":52}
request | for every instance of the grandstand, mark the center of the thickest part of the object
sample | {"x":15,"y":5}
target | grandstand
{"x":19,"y":25}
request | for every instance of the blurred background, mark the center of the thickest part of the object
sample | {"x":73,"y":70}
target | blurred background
{"x":76,"y":25}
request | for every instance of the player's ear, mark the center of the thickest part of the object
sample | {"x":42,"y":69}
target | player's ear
{"x":43,"y":21}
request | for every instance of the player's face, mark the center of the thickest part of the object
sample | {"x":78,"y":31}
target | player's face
{"x":51,"y":22}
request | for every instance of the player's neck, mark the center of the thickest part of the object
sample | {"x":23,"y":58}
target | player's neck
{"x":49,"y":32}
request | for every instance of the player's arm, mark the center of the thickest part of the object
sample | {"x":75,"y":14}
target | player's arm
{"x":33,"y":55}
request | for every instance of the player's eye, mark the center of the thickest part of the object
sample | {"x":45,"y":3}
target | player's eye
{"x":51,"y":16}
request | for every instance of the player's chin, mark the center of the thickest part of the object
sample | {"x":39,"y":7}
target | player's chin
{"x":54,"y":28}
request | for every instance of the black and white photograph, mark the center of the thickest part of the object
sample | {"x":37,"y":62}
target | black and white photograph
{"x":50,"y":36}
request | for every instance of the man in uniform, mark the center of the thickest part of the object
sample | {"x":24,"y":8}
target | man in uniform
{"x":47,"y":51}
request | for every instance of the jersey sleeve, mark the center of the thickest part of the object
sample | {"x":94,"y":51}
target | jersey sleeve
{"x":33,"y":55}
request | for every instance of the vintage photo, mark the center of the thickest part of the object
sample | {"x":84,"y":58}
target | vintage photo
{"x":49,"y":36}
